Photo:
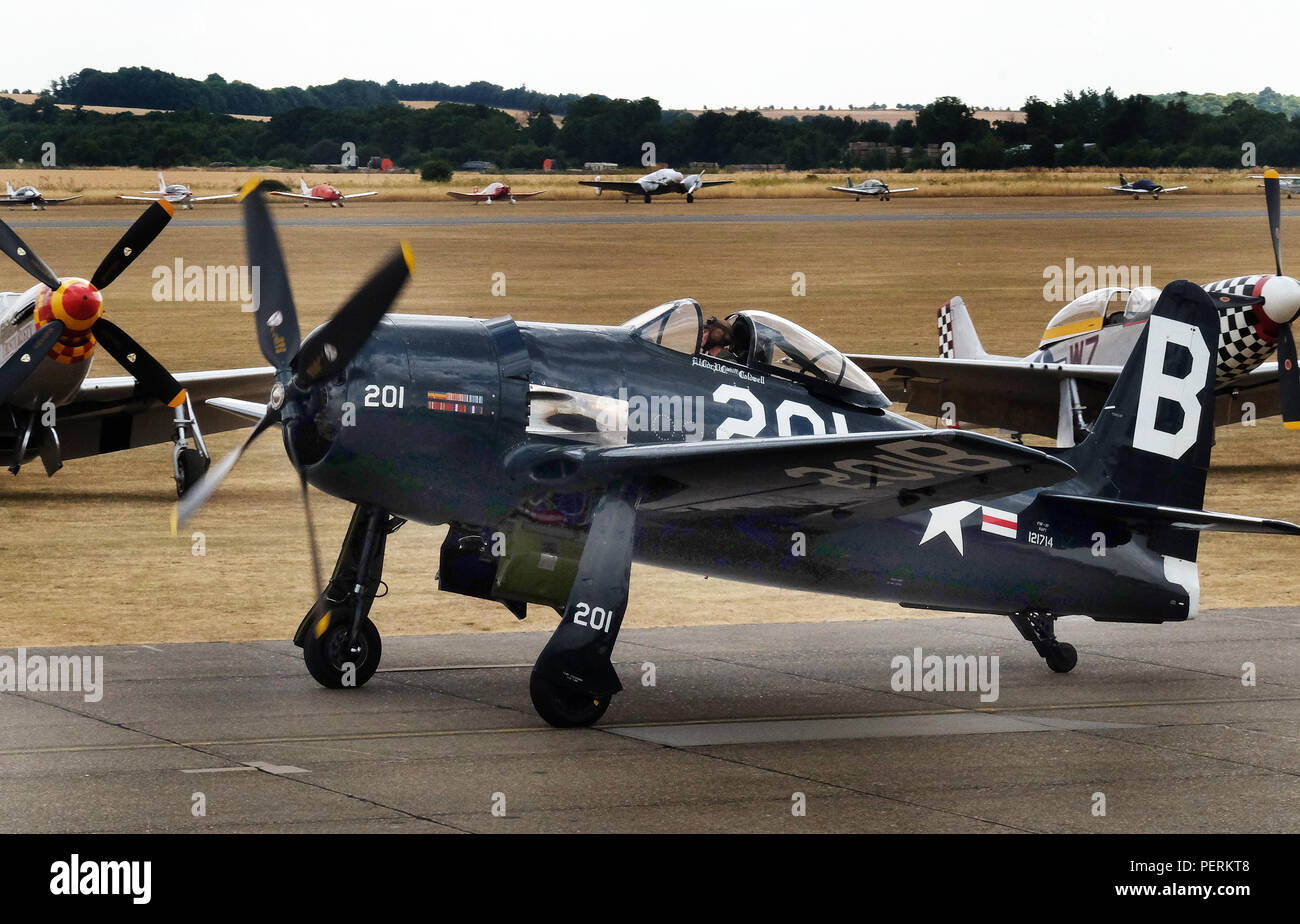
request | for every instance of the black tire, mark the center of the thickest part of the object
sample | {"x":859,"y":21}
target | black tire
{"x":1063,"y":658}
{"x":647,"y":198}
{"x":193,"y":465}
{"x":326,"y":654}
{"x":690,"y":197}
{"x":564,"y":708}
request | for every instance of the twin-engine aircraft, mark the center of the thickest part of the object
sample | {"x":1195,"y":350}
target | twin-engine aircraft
{"x":656,"y":184}
{"x":48,"y":338}
{"x":321,"y":192}
{"x":1060,"y":388}
{"x":29,"y":195}
{"x":1140,"y":188}
{"x":559,"y":454}
{"x":492,"y":192}
{"x":176,"y":194}
{"x":877,"y":188}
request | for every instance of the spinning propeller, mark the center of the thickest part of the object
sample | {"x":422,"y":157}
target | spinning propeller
{"x":75,"y":305}
{"x":1281,"y":296}
{"x":301,"y":367}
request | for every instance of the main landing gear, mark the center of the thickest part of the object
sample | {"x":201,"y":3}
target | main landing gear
{"x":573,"y":679}
{"x":188,"y":464}
{"x":340,"y":644}
{"x":690,"y":197}
{"x":1039,"y":629}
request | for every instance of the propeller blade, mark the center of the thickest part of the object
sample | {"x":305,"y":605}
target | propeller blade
{"x":138,"y":361}
{"x":316,"y":586}
{"x":1273,"y":199}
{"x":206,"y":486}
{"x":21,"y":254}
{"x":1288,"y":378}
{"x":27,"y":357}
{"x":277,"y":319}
{"x":139,"y":236}
{"x":333,"y":346}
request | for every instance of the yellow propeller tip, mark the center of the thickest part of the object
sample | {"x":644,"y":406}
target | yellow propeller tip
{"x":178,"y":400}
{"x":176,"y":510}
{"x":252,"y":184}
{"x":409,"y":257}
{"x":1270,"y":174}
{"x":167,"y":207}
{"x":1291,"y":424}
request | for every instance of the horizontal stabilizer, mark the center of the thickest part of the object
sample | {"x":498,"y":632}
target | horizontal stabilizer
{"x":1139,"y":515}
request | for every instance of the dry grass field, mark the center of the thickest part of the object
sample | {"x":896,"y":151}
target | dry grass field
{"x":102,"y":185}
{"x":86,"y":557}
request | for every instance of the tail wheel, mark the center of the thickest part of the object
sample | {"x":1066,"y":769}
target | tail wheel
{"x":331,"y":662}
{"x":563,"y":706}
{"x":1063,"y":658}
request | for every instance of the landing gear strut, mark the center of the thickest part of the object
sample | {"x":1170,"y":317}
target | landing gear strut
{"x":188,"y":465}
{"x":340,"y":644}
{"x":573,"y":679}
{"x":1039,"y":629}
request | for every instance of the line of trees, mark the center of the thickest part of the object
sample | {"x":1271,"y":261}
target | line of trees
{"x":1087,"y":129}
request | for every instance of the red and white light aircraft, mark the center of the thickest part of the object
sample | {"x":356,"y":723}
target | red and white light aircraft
{"x":492,"y":192}
{"x":1059,"y":389}
{"x":322,"y":192}
{"x":176,"y":194}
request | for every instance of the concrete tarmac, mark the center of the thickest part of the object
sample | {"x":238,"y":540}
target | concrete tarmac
{"x":795,"y":727}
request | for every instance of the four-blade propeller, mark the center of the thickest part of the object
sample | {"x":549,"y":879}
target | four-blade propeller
{"x":78,"y":307}
{"x":300,"y":366}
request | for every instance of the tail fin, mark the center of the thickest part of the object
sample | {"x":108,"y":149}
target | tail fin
{"x":1122,"y":181}
{"x":957,"y":336}
{"x":1151,"y":442}
{"x":162,"y":184}
{"x":306,"y":190}
{"x":9,"y":190}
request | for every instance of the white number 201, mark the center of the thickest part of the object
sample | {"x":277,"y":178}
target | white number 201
{"x":594,"y":617}
{"x":387,"y":396}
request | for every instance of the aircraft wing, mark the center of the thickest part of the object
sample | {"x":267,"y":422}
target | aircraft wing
{"x":854,"y":190}
{"x":294,"y":195}
{"x":1014,"y":395}
{"x":211,"y":198}
{"x":1174,"y":188}
{"x":632,"y":189}
{"x":1024,"y":397}
{"x":1125,"y":189}
{"x":48,"y":201}
{"x":715,"y":183}
{"x":140,"y":198}
{"x":110,"y":414}
{"x":878,"y":474}
{"x":469,"y":197}
{"x":527,"y":195}
{"x":373,"y":192}
{"x":905,"y":189}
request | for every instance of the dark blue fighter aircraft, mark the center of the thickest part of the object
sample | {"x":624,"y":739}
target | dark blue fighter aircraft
{"x":558,"y":454}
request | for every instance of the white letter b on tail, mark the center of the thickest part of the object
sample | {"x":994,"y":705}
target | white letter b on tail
{"x":1182,"y":390}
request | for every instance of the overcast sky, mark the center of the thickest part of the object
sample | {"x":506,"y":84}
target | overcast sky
{"x":687,"y":55}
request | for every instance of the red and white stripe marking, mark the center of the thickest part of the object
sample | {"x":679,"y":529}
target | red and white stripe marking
{"x":999,"y":523}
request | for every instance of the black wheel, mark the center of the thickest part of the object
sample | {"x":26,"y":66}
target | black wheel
{"x":564,"y":707}
{"x":1136,"y":197}
{"x":1063,"y":658}
{"x":193,"y":465}
{"x":647,"y":198}
{"x":326,"y":653}
{"x":690,"y":197}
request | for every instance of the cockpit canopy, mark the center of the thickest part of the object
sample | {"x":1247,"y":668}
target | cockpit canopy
{"x":1101,"y":308}
{"x":763,"y":342}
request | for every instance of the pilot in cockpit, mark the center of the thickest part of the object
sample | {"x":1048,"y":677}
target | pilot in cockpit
{"x":716,"y":340}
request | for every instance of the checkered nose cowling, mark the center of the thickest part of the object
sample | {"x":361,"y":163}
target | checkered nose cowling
{"x":78,"y":304}
{"x":1246,"y":337}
